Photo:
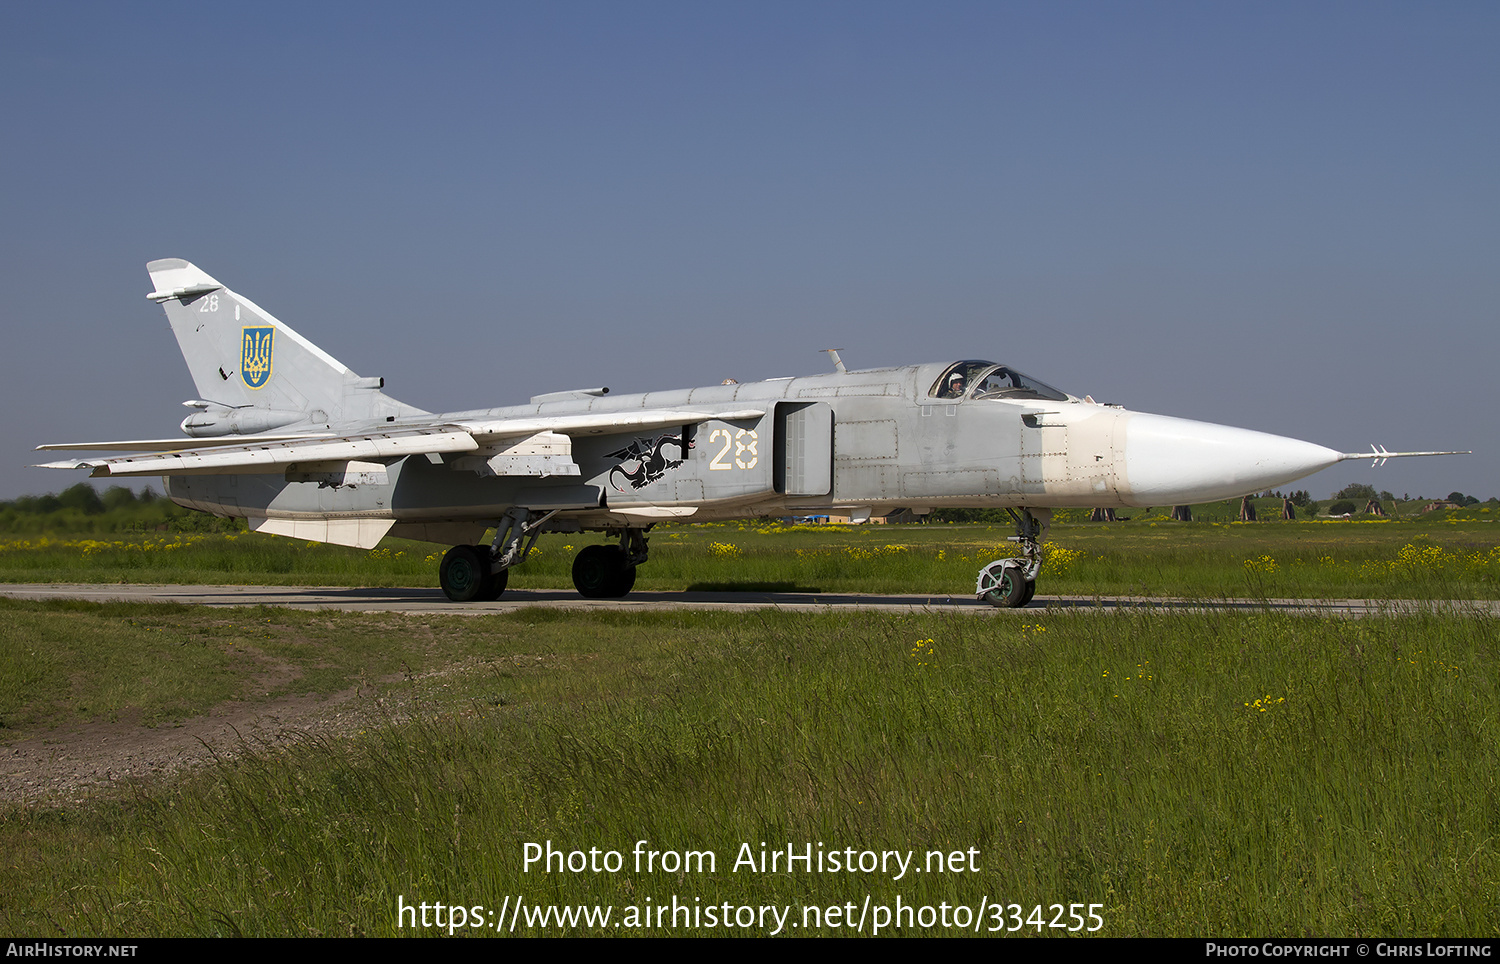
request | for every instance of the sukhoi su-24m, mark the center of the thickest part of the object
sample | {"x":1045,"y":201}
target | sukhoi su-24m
{"x":285,"y":436}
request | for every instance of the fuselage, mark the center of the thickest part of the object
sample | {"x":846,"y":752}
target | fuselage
{"x":877,"y":439}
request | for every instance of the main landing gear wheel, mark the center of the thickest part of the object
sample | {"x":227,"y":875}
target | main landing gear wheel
{"x":603,"y":572}
{"x":465,"y":575}
{"x":497,"y":582}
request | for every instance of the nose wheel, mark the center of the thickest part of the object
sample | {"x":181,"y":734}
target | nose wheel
{"x":1010,"y":583}
{"x":1003,"y":584}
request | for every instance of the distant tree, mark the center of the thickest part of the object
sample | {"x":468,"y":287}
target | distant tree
{"x":989,"y":516}
{"x":119,"y":497}
{"x":1300,"y":498}
{"x":81,"y":497}
{"x":1341,"y":508}
{"x":1386,"y":496}
{"x":82,"y":509}
{"x":1357,"y":490}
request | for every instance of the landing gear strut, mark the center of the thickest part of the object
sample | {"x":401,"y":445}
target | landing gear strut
{"x":608,"y":572}
{"x":1010,"y":583}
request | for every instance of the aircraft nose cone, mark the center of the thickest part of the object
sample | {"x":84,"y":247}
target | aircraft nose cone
{"x":1175,"y":461}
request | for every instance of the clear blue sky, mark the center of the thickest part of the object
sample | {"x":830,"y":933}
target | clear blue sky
{"x":1279,"y":216}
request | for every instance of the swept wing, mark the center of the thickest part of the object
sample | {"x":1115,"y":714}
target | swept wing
{"x":496,"y":437}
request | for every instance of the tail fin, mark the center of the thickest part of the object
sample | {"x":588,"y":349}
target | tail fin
{"x":251,"y":369}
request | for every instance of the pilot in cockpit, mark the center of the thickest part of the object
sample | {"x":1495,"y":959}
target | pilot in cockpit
{"x":956,"y":386}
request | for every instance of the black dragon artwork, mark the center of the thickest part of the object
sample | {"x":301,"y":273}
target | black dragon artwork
{"x":651,"y":464}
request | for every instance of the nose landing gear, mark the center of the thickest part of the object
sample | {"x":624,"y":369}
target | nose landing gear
{"x":1010,"y":583}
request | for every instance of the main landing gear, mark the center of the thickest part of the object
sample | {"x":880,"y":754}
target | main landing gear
{"x":480,"y":573}
{"x":467,"y":575}
{"x":608,"y":572}
{"x":1010,"y":583}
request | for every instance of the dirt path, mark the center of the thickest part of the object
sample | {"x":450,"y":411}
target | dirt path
{"x":72,"y":764}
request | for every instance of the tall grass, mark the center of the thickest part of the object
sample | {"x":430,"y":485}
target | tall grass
{"x":1196,"y":774}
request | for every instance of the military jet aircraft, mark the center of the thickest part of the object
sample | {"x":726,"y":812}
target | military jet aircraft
{"x":285,"y":436}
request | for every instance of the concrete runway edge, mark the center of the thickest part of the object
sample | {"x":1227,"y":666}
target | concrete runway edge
{"x":428,"y":601}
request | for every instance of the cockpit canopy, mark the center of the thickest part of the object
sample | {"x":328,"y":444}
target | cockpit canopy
{"x":975,"y":378}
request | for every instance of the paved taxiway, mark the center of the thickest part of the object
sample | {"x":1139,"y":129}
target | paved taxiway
{"x":431,"y":601}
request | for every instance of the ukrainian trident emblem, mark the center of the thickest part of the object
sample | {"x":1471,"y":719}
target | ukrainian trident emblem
{"x":255,"y":357}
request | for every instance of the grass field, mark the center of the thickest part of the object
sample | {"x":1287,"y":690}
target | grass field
{"x":1428,"y":559}
{"x":1208,"y":774}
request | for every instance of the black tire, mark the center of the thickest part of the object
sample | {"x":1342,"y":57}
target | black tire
{"x":465,"y":573}
{"x":600,"y":572}
{"x":624,"y":581}
{"x":497,"y":581}
{"x":1030,"y":591}
{"x":1011,"y":591}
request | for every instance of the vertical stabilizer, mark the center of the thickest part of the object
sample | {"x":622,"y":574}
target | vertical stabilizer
{"x":242,"y":358}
